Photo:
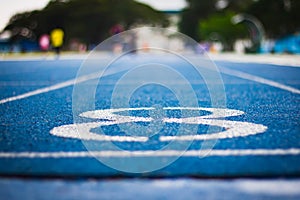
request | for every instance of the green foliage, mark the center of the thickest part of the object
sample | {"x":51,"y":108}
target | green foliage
{"x":219,"y":27}
{"x":88,"y":21}
{"x":279,"y":17}
{"x":190,"y":16}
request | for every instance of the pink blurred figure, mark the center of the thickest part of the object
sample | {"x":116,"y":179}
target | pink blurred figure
{"x":44,"y":42}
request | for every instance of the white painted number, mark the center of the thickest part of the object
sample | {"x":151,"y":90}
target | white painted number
{"x":216,"y":118}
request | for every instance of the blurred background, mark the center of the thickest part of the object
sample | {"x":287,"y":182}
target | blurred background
{"x":242,"y":26}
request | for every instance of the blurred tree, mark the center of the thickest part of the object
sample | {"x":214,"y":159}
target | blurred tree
{"x":190,"y":16}
{"x":88,"y":21}
{"x":279,"y":17}
{"x":198,"y":10}
{"x":219,"y":27}
{"x":238,"y":5}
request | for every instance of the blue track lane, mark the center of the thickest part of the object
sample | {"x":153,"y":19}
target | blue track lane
{"x":25,"y":124}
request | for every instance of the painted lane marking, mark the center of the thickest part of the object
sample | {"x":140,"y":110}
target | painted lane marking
{"x":233,"y":129}
{"x":83,"y":131}
{"x":81,"y":79}
{"x":61,"y":85}
{"x":258,"y":79}
{"x":109,"y":114}
{"x":162,"y":153}
{"x":51,"y":88}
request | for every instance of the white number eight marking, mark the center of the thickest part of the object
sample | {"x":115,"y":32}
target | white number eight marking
{"x":232,"y":128}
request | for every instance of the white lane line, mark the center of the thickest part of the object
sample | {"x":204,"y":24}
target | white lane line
{"x":97,"y":75}
{"x":190,"y":153}
{"x":56,"y":86}
{"x":258,"y":79}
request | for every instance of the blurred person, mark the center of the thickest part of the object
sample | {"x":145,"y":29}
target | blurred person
{"x":57,"y":36}
{"x":44,"y":42}
{"x":130,"y":43}
{"x":117,"y":46}
{"x":116,"y":29}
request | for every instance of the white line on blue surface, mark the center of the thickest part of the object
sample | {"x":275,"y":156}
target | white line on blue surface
{"x":258,"y":79}
{"x":51,"y":88}
{"x":159,"y":153}
{"x":84,"y":78}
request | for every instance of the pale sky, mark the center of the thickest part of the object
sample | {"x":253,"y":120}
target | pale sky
{"x":10,"y":7}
